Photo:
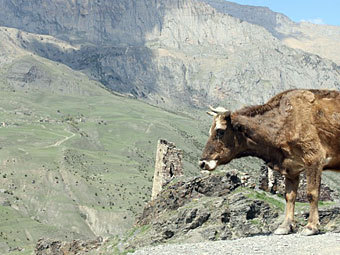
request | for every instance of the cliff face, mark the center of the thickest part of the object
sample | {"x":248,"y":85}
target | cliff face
{"x":316,"y":39}
{"x":99,"y":22}
{"x":272,"y":21}
{"x":172,"y":52}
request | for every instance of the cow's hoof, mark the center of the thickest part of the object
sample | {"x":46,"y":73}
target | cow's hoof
{"x":309,"y":231}
{"x":282,"y":231}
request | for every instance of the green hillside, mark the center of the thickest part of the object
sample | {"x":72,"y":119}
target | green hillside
{"x":76,"y":160}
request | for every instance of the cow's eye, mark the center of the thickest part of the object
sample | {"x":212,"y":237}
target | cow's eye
{"x":220,"y":133}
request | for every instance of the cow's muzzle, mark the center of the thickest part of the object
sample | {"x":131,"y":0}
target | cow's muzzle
{"x":208,"y":164}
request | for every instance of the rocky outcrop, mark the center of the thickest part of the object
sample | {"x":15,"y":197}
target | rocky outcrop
{"x":215,"y":218}
{"x":272,"y":181}
{"x":212,"y":207}
{"x":216,"y":207}
{"x":53,"y":247}
{"x":181,"y":192}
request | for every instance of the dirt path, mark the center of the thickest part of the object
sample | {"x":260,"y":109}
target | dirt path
{"x":58,"y":143}
{"x":323,"y":244}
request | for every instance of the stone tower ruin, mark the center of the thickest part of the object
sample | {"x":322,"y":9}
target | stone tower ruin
{"x":167,"y":166}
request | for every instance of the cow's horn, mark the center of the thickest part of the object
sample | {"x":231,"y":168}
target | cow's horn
{"x":219,"y":109}
{"x":212,"y":113}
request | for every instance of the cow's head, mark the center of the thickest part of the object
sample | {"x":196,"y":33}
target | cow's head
{"x":224,"y":142}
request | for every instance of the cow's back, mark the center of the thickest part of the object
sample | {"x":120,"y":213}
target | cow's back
{"x":312,"y":123}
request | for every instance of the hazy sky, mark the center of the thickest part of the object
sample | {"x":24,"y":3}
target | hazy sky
{"x":316,"y":11}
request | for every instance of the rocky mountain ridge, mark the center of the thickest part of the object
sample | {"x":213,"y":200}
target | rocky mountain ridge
{"x":272,"y":21}
{"x":316,"y":39}
{"x":172,"y":52}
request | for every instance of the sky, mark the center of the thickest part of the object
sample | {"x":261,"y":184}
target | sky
{"x":315,"y":11}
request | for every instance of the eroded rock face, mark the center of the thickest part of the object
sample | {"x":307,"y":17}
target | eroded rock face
{"x":213,"y":207}
{"x":53,"y":247}
{"x":329,"y":219}
{"x":182,"y":192}
{"x":272,"y":181}
{"x":218,"y":219}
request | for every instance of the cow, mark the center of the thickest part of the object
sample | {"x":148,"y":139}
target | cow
{"x":295,"y":131}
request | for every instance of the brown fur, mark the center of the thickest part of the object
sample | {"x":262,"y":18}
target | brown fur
{"x":295,"y":131}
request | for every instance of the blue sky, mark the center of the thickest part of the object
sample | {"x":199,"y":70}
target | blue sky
{"x":315,"y":11}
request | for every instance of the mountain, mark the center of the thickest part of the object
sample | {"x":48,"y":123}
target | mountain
{"x":321,"y":40}
{"x":173,"y":53}
{"x":76,"y":147}
{"x":273,"y":22}
{"x":76,"y":160}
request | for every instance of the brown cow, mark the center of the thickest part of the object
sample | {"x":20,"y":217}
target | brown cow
{"x":295,"y":131}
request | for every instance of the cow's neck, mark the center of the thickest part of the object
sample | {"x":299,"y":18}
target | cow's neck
{"x":270,"y":155}
{"x":259,"y":139}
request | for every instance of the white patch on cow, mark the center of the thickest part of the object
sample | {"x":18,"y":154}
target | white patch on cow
{"x":212,"y":164}
{"x":218,"y":125}
{"x":208,"y":164}
{"x":221,"y":122}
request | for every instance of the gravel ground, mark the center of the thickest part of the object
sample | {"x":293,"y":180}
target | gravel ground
{"x":323,"y":244}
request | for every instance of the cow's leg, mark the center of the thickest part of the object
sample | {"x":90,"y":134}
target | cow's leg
{"x":313,"y":191}
{"x":288,"y":224}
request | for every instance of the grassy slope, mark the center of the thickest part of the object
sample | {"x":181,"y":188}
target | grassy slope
{"x":75,"y":160}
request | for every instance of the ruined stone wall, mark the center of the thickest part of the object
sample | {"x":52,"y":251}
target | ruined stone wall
{"x":272,"y":181}
{"x":168,"y":165}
